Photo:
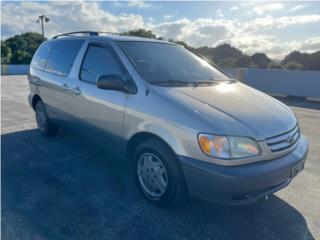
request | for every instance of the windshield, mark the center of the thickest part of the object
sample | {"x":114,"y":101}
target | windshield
{"x":169,"y":63}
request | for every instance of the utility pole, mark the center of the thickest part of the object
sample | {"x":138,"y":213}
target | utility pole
{"x":42,"y":19}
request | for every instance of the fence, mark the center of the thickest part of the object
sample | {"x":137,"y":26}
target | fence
{"x":278,"y":81}
{"x":14,"y":69}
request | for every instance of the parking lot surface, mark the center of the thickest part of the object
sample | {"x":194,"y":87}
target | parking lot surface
{"x":68,"y":188}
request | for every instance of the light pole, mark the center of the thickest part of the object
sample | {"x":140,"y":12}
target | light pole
{"x":41,"y":20}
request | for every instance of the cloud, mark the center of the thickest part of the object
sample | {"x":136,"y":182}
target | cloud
{"x":263,"y":8}
{"x":248,"y":4}
{"x":251,"y":35}
{"x":269,"y":22}
{"x":248,"y":36}
{"x":200,"y":32}
{"x":131,"y":3}
{"x":116,"y":4}
{"x":271,"y":45}
{"x":139,"y":4}
{"x":167,"y":17}
{"x":64,"y":17}
{"x":171,"y":30}
{"x":311,"y":44}
{"x":219,"y":13}
{"x":296,"y":8}
{"x":234,"y":8}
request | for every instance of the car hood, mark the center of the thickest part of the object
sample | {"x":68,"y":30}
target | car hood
{"x":236,"y":109}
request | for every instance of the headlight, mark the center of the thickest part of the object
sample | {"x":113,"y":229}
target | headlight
{"x":227,"y":147}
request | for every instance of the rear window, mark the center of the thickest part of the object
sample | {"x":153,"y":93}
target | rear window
{"x":40,"y":58}
{"x":62,"y":55}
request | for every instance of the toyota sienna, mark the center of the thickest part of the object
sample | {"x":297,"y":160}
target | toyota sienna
{"x":185,"y":127}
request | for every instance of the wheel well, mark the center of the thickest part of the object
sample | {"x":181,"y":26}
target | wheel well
{"x":139,"y":138}
{"x":35,"y":99}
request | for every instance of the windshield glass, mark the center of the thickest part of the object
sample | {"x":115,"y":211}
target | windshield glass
{"x":169,"y":63}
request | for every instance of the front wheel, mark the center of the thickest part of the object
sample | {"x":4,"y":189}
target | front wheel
{"x":158,"y":174}
{"x":45,"y":126}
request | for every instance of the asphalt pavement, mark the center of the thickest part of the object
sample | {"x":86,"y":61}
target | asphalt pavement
{"x":68,"y":188}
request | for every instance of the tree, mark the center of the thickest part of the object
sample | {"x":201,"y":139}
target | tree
{"x":5,"y":53}
{"x":227,"y":63}
{"x":260,"y":60}
{"x":292,"y":65}
{"x":21,"y":57}
{"x":314,"y":61}
{"x":182,"y":43}
{"x":308,"y":61}
{"x":140,"y":33}
{"x":274,"y":65}
{"x":243,"y":62}
{"x":22,"y":47}
{"x":221,"y":52}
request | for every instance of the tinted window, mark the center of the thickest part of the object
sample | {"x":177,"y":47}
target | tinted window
{"x":40,"y":57}
{"x":62,"y":56}
{"x":99,"y":61}
{"x":160,"y":62}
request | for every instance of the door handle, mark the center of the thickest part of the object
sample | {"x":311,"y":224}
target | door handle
{"x":77,"y":91}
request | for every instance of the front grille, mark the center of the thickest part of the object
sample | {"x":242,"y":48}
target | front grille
{"x":283,"y":141}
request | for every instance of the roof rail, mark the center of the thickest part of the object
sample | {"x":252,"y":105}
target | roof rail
{"x":89,"y":33}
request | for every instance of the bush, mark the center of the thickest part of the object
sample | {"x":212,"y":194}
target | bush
{"x":293,"y":66}
{"x":274,"y":65}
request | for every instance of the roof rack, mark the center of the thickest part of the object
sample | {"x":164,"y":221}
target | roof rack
{"x":86,"y":33}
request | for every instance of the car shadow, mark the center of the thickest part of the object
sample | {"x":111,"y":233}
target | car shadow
{"x":67,"y":188}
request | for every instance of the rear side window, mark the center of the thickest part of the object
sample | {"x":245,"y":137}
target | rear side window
{"x":62,"y":55}
{"x":40,"y":58}
{"x":99,"y":61}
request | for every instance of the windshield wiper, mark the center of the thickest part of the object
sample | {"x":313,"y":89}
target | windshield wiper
{"x":187,"y":83}
{"x":213,"y":81}
{"x":173,"y":82}
{"x":209,"y":82}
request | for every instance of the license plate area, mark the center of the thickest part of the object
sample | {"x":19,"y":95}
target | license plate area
{"x":297,"y":169}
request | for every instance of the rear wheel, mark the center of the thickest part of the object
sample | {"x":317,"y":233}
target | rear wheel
{"x":158,"y":174}
{"x":45,"y":126}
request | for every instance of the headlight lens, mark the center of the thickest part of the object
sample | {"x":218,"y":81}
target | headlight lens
{"x":228,"y":147}
{"x":242,"y":147}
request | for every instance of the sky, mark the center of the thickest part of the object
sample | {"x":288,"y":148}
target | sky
{"x":275,"y":28}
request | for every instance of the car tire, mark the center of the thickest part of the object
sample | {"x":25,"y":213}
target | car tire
{"x":155,"y":161}
{"x":45,"y":126}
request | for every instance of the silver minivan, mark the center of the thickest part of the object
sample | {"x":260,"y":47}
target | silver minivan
{"x":183,"y":125}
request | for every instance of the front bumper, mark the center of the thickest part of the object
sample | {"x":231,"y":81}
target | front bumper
{"x":242,"y":183}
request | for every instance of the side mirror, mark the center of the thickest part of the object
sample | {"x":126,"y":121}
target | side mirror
{"x":112,"y":82}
